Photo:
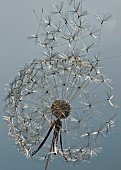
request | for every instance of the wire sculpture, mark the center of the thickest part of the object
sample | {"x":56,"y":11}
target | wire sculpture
{"x":58,"y":105}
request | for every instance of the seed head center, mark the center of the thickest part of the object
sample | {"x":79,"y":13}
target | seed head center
{"x":60,"y":108}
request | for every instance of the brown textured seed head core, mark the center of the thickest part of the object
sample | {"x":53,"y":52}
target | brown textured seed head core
{"x":60,"y":108}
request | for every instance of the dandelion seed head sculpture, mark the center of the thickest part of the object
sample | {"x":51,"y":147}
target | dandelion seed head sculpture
{"x":57,"y":105}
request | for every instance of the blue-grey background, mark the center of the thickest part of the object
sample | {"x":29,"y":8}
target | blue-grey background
{"x":17,"y":21}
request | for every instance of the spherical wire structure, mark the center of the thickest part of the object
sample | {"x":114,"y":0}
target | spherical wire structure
{"x":62,"y":104}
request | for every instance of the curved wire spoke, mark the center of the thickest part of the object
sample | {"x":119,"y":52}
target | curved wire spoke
{"x":47,"y":135}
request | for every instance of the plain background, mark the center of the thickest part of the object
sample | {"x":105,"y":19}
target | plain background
{"x":17,"y":21}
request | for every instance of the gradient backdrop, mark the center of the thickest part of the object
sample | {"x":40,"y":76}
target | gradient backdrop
{"x":17,"y":21}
